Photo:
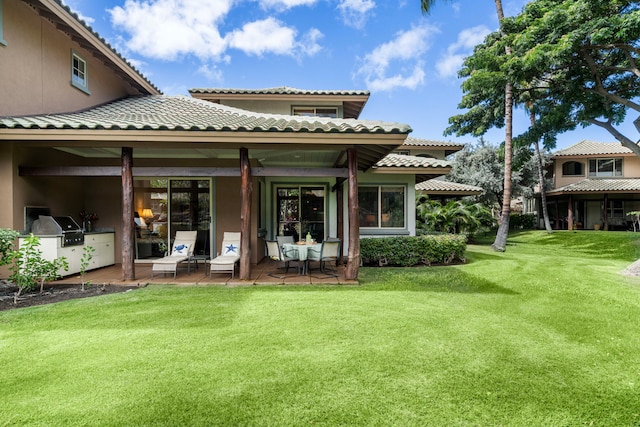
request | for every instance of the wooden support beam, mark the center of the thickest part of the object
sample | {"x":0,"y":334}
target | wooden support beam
{"x":570,"y":213}
{"x":353,"y":258}
{"x":339,"y":188}
{"x":245,"y":215}
{"x":128,"y":242}
{"x":605,"y":212}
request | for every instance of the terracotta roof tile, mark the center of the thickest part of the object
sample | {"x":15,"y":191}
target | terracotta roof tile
{"x":162,"y":112}
{"x":400,"y":161}
{"x":437,"y":185}
{"x":593,"y":148}
{"x":597,"y":185}
{"x":283,"y":90}
{"x":419,"y":142}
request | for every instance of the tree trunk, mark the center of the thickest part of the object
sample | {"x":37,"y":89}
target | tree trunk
{"x":500,"y":243}
{"x":543,"y":188}
{"x":128,"y":226}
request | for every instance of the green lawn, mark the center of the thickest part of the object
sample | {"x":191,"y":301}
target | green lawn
{"x":545,"y":334}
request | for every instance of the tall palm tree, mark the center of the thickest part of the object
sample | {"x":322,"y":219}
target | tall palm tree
{"x":500,"y":242}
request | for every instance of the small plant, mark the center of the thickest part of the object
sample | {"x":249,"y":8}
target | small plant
{"x":29,"y":268}
{"x":87,"y":256}
{"x":7,"y":239}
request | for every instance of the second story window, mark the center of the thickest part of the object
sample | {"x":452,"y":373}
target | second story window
{"x":79,"y":78}
{"x":572,"y":169}
{"x":331,"y":112}
{"x":605,"y":167}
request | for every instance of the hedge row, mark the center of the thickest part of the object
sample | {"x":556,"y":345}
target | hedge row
{"x":409,"y":251}
{"x":522,"y":221}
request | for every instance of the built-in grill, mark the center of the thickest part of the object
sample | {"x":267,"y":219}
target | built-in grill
{"x":64,"y":226}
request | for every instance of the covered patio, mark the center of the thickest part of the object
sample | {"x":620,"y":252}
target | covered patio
{"x":261,"y":274}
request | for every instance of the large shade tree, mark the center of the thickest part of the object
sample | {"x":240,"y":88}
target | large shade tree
{"x":581,"y":57}
{"x":500,"y":242}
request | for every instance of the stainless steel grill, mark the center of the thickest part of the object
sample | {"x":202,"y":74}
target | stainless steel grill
{"x":64,"y":226}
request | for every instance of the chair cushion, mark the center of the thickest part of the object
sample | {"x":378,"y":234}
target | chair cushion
{"x":225,"y":259}
{"x":231,"y":249}
{"x":181,"y":249}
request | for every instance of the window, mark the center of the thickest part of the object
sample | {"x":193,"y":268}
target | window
{"x":573,"y":169}
{"x":79,"y":78}
{"x":316,"y":111}
{"x":2,"y":40}
{"x":382,"y":206}
{"x":605,"y":167}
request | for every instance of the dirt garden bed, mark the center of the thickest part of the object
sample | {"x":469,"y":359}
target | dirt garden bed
{"x":53,"y":294}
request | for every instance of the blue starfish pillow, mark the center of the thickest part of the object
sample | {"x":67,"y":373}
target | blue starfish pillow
{"x":181,"y":250}
{"x":230,"y":249}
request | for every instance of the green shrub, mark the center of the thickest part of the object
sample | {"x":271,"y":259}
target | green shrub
{"x":410,"y":250}
{"x":7,"y":240}
{"x":522,"y":221}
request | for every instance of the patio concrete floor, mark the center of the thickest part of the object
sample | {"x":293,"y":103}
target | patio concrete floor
{"x":112,"y":275}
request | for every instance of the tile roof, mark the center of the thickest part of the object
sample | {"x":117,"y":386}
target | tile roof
{"x":593,"y":148}
{"x":437,"y":185}
{"x":598,"y":185}
{"x":419,"y":142}
{"x":404,"y":161}
{"x":282,"y":90}
{"x":162,"y":112}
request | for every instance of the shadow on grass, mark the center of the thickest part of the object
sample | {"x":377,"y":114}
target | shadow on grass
{"x":428,"y":279}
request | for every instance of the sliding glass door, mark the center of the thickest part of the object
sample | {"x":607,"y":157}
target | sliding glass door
{"x":301,"y":210}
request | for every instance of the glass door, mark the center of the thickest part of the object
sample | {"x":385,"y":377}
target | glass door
{"x":190,"y":203}
{"x":301,"y":210}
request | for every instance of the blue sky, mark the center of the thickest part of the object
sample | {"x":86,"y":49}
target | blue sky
{"x":407,"y":60}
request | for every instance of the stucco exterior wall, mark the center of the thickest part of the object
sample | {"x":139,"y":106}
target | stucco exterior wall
{"x":630,"y":168}
{"x":35,"y":67}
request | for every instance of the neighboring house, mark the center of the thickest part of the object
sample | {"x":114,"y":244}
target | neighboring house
{"x":595,"y":185}
{"x":85,"y":131}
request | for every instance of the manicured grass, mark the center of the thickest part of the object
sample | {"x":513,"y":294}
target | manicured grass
{"x":544,"y":334}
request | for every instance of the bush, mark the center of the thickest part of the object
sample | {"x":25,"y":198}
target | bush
{"x":522,"y":221}
{"x":409,"y":251}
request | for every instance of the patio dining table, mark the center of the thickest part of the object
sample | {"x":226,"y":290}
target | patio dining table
{"x":303,"y":251}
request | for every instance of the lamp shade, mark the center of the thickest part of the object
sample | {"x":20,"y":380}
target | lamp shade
{"x":146,"y":213}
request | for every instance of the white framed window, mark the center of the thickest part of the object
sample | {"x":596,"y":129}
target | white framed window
{"x":79,"y":73}
{"x":3,"y":42}
{"x":605,"y":167}
{"x":331,"y":112}
{"x":382,"y":206}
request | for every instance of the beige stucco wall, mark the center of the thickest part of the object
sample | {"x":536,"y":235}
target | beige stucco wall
{"x":277,"y":107}
{"x":35,"y":67}
{"x":630,"y":168}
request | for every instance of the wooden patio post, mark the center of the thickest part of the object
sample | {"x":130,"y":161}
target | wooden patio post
{"x":605,"y":213}
{"x":570,"y":213}
{"x":128,"y":242}
{"x":353,"y":258}
{"x":556,"y":224}
{"x":245,"y":215}
{"x":340,"y":207}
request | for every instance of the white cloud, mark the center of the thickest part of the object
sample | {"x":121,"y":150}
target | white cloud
{"x":284,"y":4}
{"x":451,"y":62}
{"x":259,"y":37}
{"x":211,"y":73}
{"x":167,"y":29}
{"x":404,"y":53}
{"x":355,"y":12}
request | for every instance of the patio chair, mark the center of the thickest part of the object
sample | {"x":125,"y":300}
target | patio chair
{"x":181,"y":251}
{"x":226,"y":261}
{"x":275,"y":252}
{"x":329,"y":252}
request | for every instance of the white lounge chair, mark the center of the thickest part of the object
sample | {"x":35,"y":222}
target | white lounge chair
{"x":181,"y":251}
{"x":226,"y":261}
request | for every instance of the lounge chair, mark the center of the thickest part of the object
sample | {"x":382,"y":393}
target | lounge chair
{"x":329,"y":252}
{"x":181,"y":251}
{"x":226,"y":261}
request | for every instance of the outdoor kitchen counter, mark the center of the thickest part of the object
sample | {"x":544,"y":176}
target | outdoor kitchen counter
{"x":101,"y":240}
